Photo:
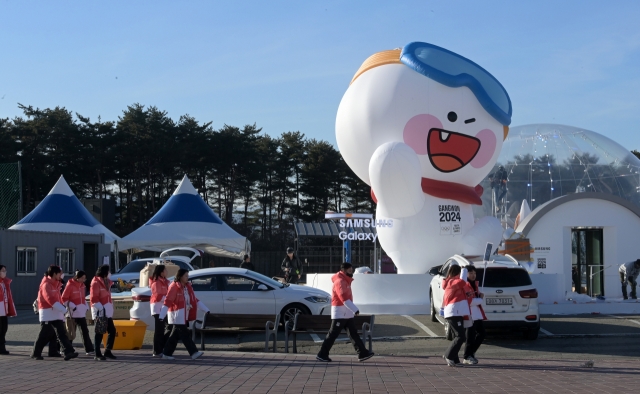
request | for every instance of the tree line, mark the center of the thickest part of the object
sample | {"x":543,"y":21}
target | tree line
{"x":256,"y":183}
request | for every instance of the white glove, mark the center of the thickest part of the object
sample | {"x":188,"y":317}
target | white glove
{"x":97,"y":306}
{"x":59,"y":307}
{"x":163,"y":312}
{"x":203,"y":307}
{"x":72,"y":306}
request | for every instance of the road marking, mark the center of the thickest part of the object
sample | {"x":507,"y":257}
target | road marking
{"x":545,"y":332}
{"x":623,"y":318}
{"x":316,"y":338}
{"x":417,"y":323}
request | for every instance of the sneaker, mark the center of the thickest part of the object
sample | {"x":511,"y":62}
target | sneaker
{"x":452,"y":363}
{"x":156,"y":355}
{"x":69,"y":356}
{"x":57,"y":355}
{"x":470,"y":361}
{"x":196,"y":355}
{"x":37,"y":358}
{"x":368,"y":356}
{"x":90,"y":353}
{"x":4,"y":352}
{"x":165,"y":357}
{"x":323,"y":359}
{"x":474,"y":359}
{"x":100,"y":358}
{"x":110,"y":355}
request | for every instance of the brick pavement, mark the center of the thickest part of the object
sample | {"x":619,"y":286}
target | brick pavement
{"x":232,"y":372}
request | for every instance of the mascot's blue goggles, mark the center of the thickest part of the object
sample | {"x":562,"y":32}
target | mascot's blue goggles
{"x":453,"y":70}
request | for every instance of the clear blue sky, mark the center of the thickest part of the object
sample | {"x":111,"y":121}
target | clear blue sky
{"x":286,"y":64}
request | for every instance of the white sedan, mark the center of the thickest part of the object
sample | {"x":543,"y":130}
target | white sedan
{"x":241,"y":291}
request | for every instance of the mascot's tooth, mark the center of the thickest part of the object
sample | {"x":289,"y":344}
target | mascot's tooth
{"x":444,"y":136}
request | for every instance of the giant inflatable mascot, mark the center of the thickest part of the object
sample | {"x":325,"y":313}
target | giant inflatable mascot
{"x":423,"y":126}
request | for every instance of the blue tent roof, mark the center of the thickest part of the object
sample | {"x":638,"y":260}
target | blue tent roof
{"x":185,"y":207}
{"x":58,"y":208}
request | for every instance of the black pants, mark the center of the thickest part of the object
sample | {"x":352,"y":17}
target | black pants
{"x":160,"y":334}
{"x":337,"y":325}
{"x":459,"y":338}
{"x":111,"y":338}
{"x":475,"y":337}
{"x":4,"y":326}
{"x":50,"y":331}
{"x":84,"y":330}
{"x":181,"y":332}
{"x":631,"y":282}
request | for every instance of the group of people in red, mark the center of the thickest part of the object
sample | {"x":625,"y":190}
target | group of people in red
{"x":173,"y":306}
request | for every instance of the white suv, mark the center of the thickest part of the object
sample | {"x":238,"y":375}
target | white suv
{"x":510,"y":300}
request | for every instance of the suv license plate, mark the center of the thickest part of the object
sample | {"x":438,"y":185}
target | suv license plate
{"x":499,"y":301}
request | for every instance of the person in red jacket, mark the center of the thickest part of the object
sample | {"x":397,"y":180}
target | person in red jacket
{"x":101,"y":305}
{"x":159,"y":285}
{"x":7,"y":308}
{"x":456,"y":301}
{"x":475,"y":334}
{"x":343,"y":310}
{"x":73,"y":297}
{"x":51,"y":313}
{"x":181,"y":306}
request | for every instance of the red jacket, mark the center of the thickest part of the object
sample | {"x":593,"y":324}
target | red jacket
{"x":457,"y":297}
{"x":74,"y":295}
{"x":50,"y":306}
{"x":175,"y":304}
{"x":9,"y":306}
{"x":342,"y":306}
{"x":159,"y":290}
{"x":100,"y":297}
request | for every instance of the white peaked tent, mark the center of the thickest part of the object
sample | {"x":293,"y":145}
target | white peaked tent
{"x":62,"y":212}
{"x":186,"y":220}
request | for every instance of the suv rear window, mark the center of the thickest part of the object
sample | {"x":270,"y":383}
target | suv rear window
{"x":503,"y":277}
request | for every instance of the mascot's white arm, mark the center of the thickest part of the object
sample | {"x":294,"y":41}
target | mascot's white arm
{"x":487,"y":229}
{"x":395,"y":174}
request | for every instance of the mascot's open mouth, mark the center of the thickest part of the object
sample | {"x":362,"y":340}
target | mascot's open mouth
{"x":449,"y":151}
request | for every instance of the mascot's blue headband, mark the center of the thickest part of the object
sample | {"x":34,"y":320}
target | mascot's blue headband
{"x":453,"y":70}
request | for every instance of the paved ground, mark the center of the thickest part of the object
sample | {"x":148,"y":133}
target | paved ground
{"x":410,"y":350}
{"x":224,"y":372}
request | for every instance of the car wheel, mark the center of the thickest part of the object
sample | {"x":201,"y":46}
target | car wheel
{"x":448,"y":331}
{"x":289,"y":312}
{"x":434,"y":316}
{"x":531,"y":335}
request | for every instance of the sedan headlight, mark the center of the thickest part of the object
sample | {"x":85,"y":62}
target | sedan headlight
{"x":318,"y":300}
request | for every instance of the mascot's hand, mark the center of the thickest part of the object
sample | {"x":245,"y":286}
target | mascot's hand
{"x":396,"y":174}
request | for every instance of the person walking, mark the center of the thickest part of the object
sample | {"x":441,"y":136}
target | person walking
{"x":343,"y":310}
{"x":73,"y":297}
{"x":247,"y":264}
{"x":181,"y":306}
{"x":159,"y":285}
{"x":102,"y":306}
{"x":7,"y":308}
{"x":475,"y":334}
{"x":51,"y":313}
{"x":629,"y":275}
{"x":291,"y":267}
{"x":456,"y":300}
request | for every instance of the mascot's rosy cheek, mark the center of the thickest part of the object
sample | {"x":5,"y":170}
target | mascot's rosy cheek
{"x":416,"y":132}
{"x":487,"y":148}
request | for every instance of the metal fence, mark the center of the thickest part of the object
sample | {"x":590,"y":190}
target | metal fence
{"x":10,"y":194}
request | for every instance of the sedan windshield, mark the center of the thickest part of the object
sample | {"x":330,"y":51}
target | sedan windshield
{"x":266,"y":280}
{"x":134,"y":266}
